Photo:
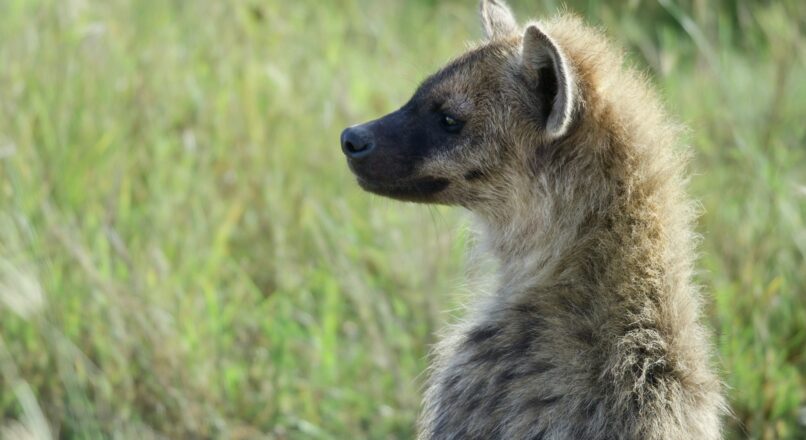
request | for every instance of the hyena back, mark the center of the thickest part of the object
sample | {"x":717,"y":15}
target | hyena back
{"x":572,"y":171}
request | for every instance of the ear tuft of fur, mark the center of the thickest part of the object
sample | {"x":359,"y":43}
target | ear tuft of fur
{"x":497,"y":19}
{"x":540,"y":53}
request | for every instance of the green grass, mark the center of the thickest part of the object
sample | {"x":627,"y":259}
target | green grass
{"x":184,"y":253}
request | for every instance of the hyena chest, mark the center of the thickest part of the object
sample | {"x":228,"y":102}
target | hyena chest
{"x":499,"y":383}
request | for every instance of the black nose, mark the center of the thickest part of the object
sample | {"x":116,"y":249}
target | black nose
{"x":357,"y":142}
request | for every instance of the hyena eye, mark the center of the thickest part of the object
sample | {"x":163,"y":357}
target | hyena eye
{"x":450,"y":124}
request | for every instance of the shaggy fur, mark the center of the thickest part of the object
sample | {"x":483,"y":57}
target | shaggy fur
{"x":592,"y":331}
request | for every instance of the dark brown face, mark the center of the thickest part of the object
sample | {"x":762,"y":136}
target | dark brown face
{"x":385,"y":154}
{"x":430,"y":150}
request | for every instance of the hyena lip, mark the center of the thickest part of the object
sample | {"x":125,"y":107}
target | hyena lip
{"x":416,"y":190}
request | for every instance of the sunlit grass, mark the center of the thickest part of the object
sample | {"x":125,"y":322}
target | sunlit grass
{"x":183,"y":251}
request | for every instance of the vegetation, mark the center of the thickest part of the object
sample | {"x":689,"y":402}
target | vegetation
{"x":183,"y":252}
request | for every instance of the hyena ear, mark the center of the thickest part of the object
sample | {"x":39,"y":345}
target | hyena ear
{"x":545,"y":62}
{"x":497,"y":19}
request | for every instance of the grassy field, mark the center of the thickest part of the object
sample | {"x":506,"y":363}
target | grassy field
{"x":184,"y":254}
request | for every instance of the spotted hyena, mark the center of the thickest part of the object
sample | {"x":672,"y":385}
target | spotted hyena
{"x":574,"y":174}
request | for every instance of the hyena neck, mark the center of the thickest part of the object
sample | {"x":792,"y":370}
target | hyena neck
{"x":538,"y":240}
{"x":527,"y":247}
{"x":614,"y":252}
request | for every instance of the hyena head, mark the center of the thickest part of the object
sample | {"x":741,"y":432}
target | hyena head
{"x":474,"y":126}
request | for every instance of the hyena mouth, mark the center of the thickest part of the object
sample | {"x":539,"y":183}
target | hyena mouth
{"x":416,"y":190}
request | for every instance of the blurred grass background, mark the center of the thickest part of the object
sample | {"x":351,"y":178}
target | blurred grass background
{"x":184,"y":254}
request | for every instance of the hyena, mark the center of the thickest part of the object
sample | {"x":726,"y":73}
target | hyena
{"x":573,"y":172}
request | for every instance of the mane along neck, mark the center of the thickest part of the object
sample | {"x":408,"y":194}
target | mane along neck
{"x":609,"y":195}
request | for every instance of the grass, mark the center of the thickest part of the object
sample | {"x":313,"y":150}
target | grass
{"x":183,"y":252}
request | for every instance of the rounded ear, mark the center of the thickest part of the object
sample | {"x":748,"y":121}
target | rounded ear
{"x":497,"y":19}
{"x":542,"y":59}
